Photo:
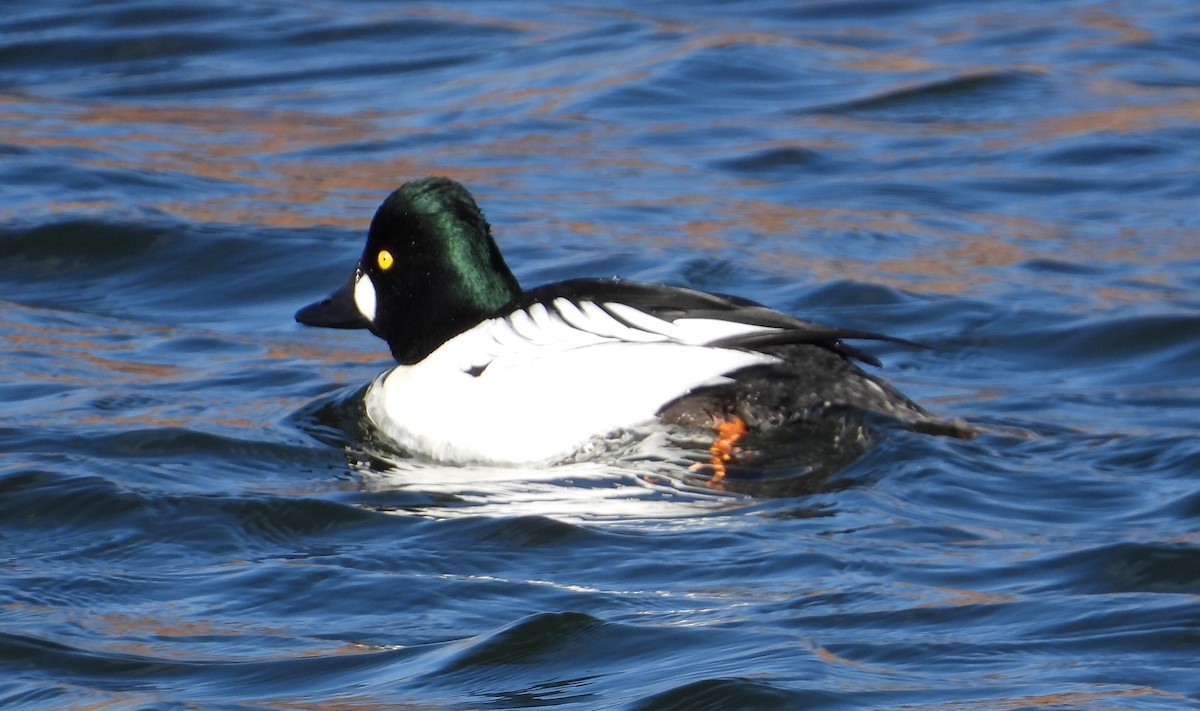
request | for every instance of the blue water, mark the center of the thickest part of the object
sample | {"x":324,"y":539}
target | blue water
{"x":193,"y":515}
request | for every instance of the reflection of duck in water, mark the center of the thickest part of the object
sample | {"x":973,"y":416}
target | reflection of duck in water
{"x":488,"y":372}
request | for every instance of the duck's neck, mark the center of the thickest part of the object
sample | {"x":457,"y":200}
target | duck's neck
{"x":465,"y":284}
{"x":447,"y":309}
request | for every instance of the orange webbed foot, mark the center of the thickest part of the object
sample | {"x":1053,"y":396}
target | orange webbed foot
{"x":725,"y":445}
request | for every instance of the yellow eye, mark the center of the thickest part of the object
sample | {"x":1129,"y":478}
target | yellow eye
{"x":386,"y":260}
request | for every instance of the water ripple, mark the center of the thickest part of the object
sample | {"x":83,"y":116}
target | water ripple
{"x":193,"y":512}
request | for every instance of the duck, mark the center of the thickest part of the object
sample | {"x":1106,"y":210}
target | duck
{"x":487,"y":372}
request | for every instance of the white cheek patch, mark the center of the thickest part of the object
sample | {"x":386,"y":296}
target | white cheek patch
{"x":364,"y":296}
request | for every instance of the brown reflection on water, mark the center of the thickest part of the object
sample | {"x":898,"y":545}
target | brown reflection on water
{"x":1126,"y":29}
{"x":264,"y":153}
{"x":1117,"y":119}
{"x":181,"y":638}
{"x":293,"y":169}
{"x":127,"y":375}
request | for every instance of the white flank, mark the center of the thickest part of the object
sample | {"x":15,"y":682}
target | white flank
{"x":364,"y":296}
{"x":551,"y":380}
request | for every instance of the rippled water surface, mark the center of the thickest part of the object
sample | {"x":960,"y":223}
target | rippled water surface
{"x":192,"y":514}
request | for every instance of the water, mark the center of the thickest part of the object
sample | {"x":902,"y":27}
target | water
{"x":192,"y":516}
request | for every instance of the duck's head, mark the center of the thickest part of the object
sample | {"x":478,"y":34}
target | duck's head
{"x":430,"y":271}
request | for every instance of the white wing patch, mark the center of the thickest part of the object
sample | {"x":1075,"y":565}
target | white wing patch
{"x":600,"y":322}
{"x":647,"y":322}
{"x":536,"y":384}
{"x":539,"y":331}
{"x":696,"y":331}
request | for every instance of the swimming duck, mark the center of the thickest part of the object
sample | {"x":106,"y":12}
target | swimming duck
{"x":490,"y":373}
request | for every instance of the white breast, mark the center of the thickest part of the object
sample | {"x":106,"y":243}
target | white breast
{"x":551,"y":379}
